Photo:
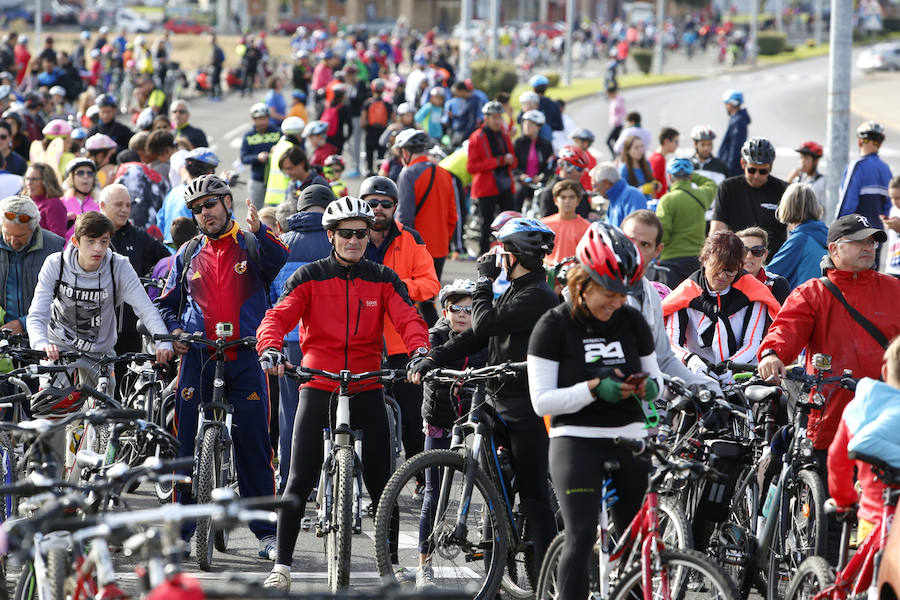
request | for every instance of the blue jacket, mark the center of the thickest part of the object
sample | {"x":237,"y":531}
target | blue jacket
{"x":254,"y":143}
{"x":551,"y":111}
{"x":306,"y":242}
{"x":798,"y":258}
{"x":734,"y":138}
{"x":172,"y":207}
{"x":873,"y":418}
{"x":623,"y":200}
{"x":864,"y":189}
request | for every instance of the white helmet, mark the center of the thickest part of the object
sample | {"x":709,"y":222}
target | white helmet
{"x":529,"y":97}
{"x":459,"y":287}
{"x":261,"y":110}
{"x":292,"y":126}
{"x":535,"y":116}
{"x":346,"y":208}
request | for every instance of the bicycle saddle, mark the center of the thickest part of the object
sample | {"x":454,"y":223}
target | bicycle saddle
{"x":761,"y":393}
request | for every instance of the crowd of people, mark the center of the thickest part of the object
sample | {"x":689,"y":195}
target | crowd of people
{"x":605,"y":275}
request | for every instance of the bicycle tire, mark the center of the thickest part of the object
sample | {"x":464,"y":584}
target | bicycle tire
{"x":684,"y":585}
{"x":813,"y":576}
{"x":226,"y":477}
{"x":207,"y":470}
{"x":338,"y":541}
{"x":58,"y":568}
{"x":8,"y":504}
{"x":481,"y":551}
{"x":26,"y":584}
{"x":164,"y":491}
{"x":546,"y":587}
{"x":786,"y":545}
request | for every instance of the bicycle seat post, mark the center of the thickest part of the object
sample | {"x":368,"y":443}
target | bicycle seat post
{"x":342,"y":416}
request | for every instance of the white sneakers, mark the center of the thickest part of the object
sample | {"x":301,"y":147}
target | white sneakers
{"x":278,"y":579}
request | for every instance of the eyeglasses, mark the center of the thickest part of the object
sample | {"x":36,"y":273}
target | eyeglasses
{"x":198,"y":208}
{"x":567,"y":165}
{"x":754,"y":171}
{"x":14,"y":216}
{"x":179,"y":111}
{"x":4,"y":137}
{"x":728,"y":274}
{"x":756,"y":251}
{"x":84,"y":173}
{"x":360,"y":234}
{"x":456,"y":308}
{"x":382,"y":203}
{"x":872,"y":242}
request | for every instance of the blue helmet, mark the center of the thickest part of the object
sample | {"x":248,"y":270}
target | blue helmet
{"x":526,"y":237}
{"x":680,"y":167}
{"x":79,"y":133}
{"x":733,"y":97}
{"x":538,"y":80}
{"x":203,"y":155}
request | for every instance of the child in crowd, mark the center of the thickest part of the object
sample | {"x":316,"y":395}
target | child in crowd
{"x":332,"y":171}
{"x":566,"y":224}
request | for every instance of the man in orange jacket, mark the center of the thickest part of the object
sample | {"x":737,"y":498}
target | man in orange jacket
{"x":404,"y":251}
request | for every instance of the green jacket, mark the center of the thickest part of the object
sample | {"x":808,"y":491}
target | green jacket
{"x":682,"y":211}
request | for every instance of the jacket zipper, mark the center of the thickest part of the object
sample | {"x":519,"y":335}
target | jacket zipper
{"x":358,"y":312}
{"x":347,"y":337}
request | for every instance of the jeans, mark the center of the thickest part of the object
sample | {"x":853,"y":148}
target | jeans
{"x":429,"y":498}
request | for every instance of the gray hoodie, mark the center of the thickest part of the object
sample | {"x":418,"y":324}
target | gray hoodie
{"x":80,"y":314}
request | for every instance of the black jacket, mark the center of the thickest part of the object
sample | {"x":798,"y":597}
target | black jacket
{"x":544,"y":148}
{"x":143,"y":252}
{"x":439,"y":407}
{"x":504,"y":329}
{"x":117,"y":131}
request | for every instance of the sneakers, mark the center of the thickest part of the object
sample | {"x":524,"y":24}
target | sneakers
{"x":267,"y":547}
{"x":405,"y":575}
{"x":425,"y":577}
{"x":278,"y":580}
{"x":419,"y":493}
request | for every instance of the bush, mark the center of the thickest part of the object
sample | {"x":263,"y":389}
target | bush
{"x":494,"y":77}
{"x":891,"y":23}
{"x":771,"y":43}
{"x":553,"y":78}
{"x":643,"y":57}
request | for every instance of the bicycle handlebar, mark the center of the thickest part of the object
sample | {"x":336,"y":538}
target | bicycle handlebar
{"x":478,"y":374}
{"x":730,"y":365}
{"x":383,"y":375}
{"x":197,"y":338}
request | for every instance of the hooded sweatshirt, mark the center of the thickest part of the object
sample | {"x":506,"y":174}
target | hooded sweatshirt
{"x":78,"y":313}
{"x":798,"y":260}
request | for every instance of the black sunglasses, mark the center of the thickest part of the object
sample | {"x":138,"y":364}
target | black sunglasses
{"x":754,"y":171}
{"x":198,"y":208}
{"x":568,"y":165}
{"x":382,"y":203}
{"x":456,"y":308}
{"x":360,"y":234}
{"x":84,"y":173}
{"x":756,"y":251}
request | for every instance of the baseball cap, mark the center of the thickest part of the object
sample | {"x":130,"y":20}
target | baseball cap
{"x":854,"y":228}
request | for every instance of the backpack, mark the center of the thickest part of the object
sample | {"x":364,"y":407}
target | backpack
{"x":330,"y":116}
{"x":377,"y":113}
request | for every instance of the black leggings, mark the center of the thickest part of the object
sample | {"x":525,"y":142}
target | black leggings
{"x":314,"y":412}
{"x":576,"y":467}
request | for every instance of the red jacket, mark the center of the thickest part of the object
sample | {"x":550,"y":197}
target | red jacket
{"x":813,"y":318}
{"x":841,"y":477}
{"x":481,"y":164}
{"x":341,"y":311}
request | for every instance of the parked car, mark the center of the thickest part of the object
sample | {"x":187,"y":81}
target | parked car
{"x":179,"y":25}
{"x":880,"y":57}
{"x":288,"y":27}
{"x":132,"y":21}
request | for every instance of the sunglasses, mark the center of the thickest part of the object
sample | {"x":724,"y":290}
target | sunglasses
{"x":360,"y":234}
{"x":456,"y":308}
{"x":84,"y":173}
{"x":754,"y":171}
{"x":756,"y":251}
{"x":4,"y":137}
{"x":179,"y":112}
{"x":382,"y":203}
{"x":198,"y":208}
{"x":572,"y":167}
{"x":14,"y":216}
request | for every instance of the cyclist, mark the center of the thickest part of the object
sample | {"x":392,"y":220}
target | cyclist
{"x":276,"y":181}
{"x":572,"y":164}
{"x":622,"y":199}
{"x":808,"y":171}
{"x":320,"y":297}
{"x":704,"y":161}
{"x":720,"y":312}
{"x":592,"y":367}
{"x":534,"y":156}
{"x":107,"y":105}
{"x":864,"y":184}
{"x":730,"y":152}
{"x":504,"y":328}
{"x":197,"y":162}
{"x":255,"y":148}
{"x":800,"y":256}
{"x":224,"y":278}
{"x":583,"y":138}
{"x":755,"y":254}
{"x":332,"y":171}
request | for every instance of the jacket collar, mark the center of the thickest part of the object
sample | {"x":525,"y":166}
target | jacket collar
{"x":35,"y":243}
{"x":527,"y":279}
{"x":838,"y":276}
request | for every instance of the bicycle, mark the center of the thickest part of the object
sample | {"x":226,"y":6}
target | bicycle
{"x":641,"y":558}
{"x":474,"y":518}
{"x":817,"y":580}
{"x":214,"y":466}
{"x":339,"y":495}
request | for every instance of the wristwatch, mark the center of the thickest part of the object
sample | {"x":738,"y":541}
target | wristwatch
{"x":485,"y":279}
{"x":768,"y":352}
{"x":420,"y":351}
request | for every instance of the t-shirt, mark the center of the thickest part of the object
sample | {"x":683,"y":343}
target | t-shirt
{"x":740,"y":206}
{"x":568,"y":234}
{"x":893,"y":245}
{"x":586,"y":348}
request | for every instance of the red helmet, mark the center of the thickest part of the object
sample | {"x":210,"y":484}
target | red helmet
{"x":811,"y":148}
{"x":574,"y":156}
{"x":610,"y":258}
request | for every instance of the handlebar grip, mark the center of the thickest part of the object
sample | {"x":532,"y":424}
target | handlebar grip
{"x":519,"y":367}
{"x":636,"y":446}
{"x":744,"y":367}
{"x":15,"y":398}
{"x":184,"y":462}
{"x":113,"y":414}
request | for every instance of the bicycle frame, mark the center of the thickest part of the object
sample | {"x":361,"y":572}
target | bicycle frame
{"x":218,"y":413}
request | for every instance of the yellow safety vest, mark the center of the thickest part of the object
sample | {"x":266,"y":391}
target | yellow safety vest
{"x":277,"y":182}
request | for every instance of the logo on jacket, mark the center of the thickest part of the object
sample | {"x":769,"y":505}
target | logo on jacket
{"x":187,"y":393}
{"x":196,"y":275}
{"x":241,"y":267}
{"x":371,"y":303}
{"x":594,"y":351}
{"x":253,"y":396}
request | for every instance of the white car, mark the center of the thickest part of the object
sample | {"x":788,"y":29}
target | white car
{"x":132,"y":21}
{"x":880,"y":57}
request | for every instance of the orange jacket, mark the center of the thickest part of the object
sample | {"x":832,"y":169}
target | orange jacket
{"x":434,"y":216}
{"x":407,"y":255}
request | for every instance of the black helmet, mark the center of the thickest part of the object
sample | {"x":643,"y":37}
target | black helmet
{"x":56,"y":402}
{"x":206,"y":185}
{"x":413,"y":140}
{"x":758,"y":151}
{"x":80,"y":162}
{"x":315,"y":195}
{"x":378,"y":185}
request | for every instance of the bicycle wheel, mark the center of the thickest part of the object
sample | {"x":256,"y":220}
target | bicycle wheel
{"x":813,"y":576}
{"x":26,"y":584}
{"x":226,"y":477}
{"x":9,"y":503}
{"x":470,"y":556}
{"x":799,"y":532}
{"x":547,"y":584}
{"x":209,"y":461}
{"x":163,"y":416}
{"x":58,"y":568}
{"x":680,"y":575}
{"x":339,"y":538}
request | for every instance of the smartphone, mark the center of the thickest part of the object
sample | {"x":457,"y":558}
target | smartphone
{"x":636,"y":379}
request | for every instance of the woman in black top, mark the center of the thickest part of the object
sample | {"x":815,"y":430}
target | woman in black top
{"x":592,"y":368}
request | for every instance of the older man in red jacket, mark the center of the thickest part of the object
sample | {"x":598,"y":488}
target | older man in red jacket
{"x":491,"y":161}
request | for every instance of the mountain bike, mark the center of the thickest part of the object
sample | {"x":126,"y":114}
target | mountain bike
{"x":339,"y":496}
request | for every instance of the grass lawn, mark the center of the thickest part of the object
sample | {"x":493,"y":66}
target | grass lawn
{"x":803,"y":51}
{"x":581,"y":88}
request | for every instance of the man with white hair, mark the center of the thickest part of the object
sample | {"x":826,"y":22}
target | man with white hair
{"x":24,"y":247}
{"x":622,"y":199}
{"x":180,"y":112}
